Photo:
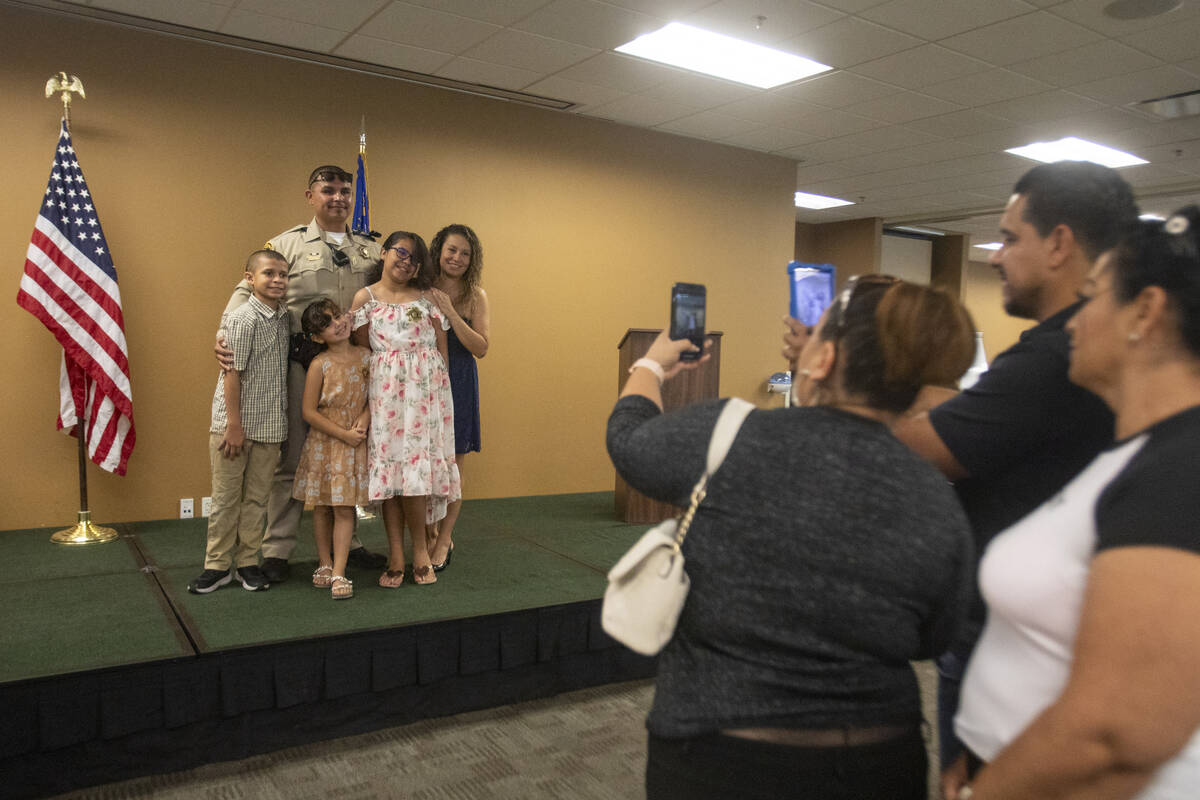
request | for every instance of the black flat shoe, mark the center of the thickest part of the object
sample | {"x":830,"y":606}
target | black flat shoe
{"x":446,"y":563}
{"x":363,"y":558}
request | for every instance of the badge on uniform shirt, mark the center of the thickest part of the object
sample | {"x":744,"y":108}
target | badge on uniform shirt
{"x":362,"y":252}
{"x":314,"y":256}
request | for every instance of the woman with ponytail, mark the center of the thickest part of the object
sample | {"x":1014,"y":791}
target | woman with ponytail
{"x":825,"y":556}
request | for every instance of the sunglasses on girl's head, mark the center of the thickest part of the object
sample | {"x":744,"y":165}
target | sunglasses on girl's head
{"x":837,"y":312}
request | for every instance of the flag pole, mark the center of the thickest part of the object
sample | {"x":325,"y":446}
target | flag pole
{"x":83,"y":532}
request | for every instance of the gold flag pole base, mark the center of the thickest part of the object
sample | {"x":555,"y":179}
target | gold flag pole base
{"x":84,"y":532}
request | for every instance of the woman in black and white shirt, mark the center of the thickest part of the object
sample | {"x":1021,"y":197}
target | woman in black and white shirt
{"x":1085,"y":683}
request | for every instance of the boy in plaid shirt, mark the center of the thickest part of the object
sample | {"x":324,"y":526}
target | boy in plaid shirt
{"x":249,"y":420}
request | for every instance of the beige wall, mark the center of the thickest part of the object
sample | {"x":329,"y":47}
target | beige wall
{"x":196,"y":154}
{"x":853,"y":246}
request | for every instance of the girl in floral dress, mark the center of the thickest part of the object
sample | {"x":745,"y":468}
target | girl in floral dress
{"x":332,"y":473}
{"x":411,"y":441}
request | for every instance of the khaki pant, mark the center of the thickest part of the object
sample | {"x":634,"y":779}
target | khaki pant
{"x":239,"y":496}
{"x":283,"y":510}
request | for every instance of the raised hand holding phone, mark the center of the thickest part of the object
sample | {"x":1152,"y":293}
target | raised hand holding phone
{"x":687,"y":317}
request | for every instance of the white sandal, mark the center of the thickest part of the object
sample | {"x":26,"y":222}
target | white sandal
{"x":341,"y":587}
{"x":322,"y":577}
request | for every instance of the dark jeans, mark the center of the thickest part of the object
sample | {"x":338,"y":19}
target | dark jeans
{"x":951,"y":667}
{"x":724,"y":767}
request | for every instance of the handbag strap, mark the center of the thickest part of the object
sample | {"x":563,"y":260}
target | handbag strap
{"x":724,"y":432}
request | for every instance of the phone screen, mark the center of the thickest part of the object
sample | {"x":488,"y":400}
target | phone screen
{"x":812,"y":290}
{"x":687,"y":315}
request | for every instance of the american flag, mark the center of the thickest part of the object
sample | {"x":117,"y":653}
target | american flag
{"x":70,"y":284}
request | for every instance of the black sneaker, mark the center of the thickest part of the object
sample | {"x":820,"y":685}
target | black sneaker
{"x":276,"y":569}
{"x":363,"y":558}
{"x":252,"y":578}
{"x":209,"y":581}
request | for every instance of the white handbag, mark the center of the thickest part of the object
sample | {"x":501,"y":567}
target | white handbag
{"x":648,"y":586}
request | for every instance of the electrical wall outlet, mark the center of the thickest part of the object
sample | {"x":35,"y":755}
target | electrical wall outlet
{"x":185,"y":508}
{"x":205,"y":506}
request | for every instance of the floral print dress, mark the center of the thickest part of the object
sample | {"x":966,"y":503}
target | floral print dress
{"x":331,"y":472}
{"x":411,"y":442}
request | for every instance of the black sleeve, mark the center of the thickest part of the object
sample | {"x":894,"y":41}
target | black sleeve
{"x":1155,"y":500}
{"x":660,"y":455}
{"x":947,"y":619}
{"x":1016,"y":405}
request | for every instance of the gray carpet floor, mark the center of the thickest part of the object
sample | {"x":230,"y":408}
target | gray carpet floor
{"x":585,"y":745}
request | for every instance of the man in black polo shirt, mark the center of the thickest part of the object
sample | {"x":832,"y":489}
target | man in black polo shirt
{"x":1023,"y":431}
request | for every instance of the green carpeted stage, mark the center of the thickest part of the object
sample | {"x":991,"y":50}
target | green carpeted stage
{"x":112,"y":669}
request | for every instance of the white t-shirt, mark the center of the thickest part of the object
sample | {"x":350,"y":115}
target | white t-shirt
{"x":1034,"y":574}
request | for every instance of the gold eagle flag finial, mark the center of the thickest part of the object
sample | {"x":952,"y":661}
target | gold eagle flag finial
{"x":67,"y":85}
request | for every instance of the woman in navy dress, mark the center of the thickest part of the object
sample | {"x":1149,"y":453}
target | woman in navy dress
{"x":458,"y":255}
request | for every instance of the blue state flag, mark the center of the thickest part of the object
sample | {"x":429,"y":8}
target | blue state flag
{"x":362,"y":206}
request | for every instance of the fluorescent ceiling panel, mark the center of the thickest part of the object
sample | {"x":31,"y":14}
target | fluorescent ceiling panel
{"x":819,"y":201}
{"x":989,"y":246}
{"x":722,"y":56}
{"x":1074,"y":149}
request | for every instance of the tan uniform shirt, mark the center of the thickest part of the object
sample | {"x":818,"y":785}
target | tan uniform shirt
{"x":312,"y":275}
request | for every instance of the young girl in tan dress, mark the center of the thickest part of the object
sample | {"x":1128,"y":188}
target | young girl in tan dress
{"x":332,"y":473}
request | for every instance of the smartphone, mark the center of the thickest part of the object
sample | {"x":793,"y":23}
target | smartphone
{"x":687,"y":316}
{"x":812,"y":290}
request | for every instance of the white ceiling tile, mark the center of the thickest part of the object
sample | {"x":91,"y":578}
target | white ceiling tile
{"x":424,"y":27}
{"x":850,"y":41}
{"x":1174,"y":42}
{"x":199,"y":14}
{"x":700,"y":91}
{"x":497,"y":12}
{"x":946,"y":150}
{"x":813,"y":174}
{"x":873,"y":162}
{"x":1135,"y":87}
{"x":770,"y":110}
{"x":1090,"y":13}
{"x":769,"y":139}
{"x":1021,"y":38}
{"x":937,"y":19}
{"x":1001,"y":139}
{"x":262,"y":28}
{"x":1169,"y":154}
{"x":390,"y":54}
{"x":834,"y":89}
{"x":529,"y":51}
{"x":1091,"y":62}
{"x":986,"y":87}
{"x":827,"y":150}
{"x":851,"y":6}
{"x":902,"y":107}
{"x":582,"y":94}
{"x":639,"y":110}
{"x":619,"y":72}
{"x":890,"y":137}
{"x":1055,"y":104}
{"x":1154,"y":175}
{"x":1192,"y":65}
{"x":829,"y":124}
{"x":784,"y":19}
{"x":1161,"y":132}
{"x":667,"y":10}
{"x":486,"y":73}
{"x":959,"y":123}
{"x":348,"y":15}
{"x":710,"y":125}
{"x":1092,"y":125}
{"x":588,"y":23}
{"x":921,"y":66}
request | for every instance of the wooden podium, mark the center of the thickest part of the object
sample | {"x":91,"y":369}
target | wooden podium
{"x":682,"y":390}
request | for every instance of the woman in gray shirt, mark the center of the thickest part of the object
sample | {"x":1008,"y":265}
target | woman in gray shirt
{"x":824,"y":558}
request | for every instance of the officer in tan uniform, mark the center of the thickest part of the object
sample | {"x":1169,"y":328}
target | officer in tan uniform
{"x":326,"y":260}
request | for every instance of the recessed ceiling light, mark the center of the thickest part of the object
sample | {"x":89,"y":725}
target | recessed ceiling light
{"x":723,"y":56}
{"x":819,"y":201}
{"x":989,"y":246}
{"x":1140,"y":9}
{"x":1074,"y":149}
{"x":1152,"y":217}
{"x":915,"y":229}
